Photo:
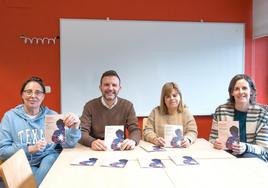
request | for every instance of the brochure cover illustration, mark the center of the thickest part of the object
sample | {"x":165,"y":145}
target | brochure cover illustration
{"x":146,"y":162}
{"x":152,"y":148}
{"x":173,"y":135}
{"x":54,"y":129}
{"x":228,"y":133}
{"x":183,"y":160}
{"x":114,"y":136}
{"x":85,"y":161}
{"x":115,"y":163}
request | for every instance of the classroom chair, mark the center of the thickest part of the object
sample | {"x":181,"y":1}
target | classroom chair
{"x":143,"y":125}
{"x":16,"y":172}
{"x":143,"y":122}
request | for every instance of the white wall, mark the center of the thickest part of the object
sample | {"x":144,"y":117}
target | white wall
{"x":260,"y":18}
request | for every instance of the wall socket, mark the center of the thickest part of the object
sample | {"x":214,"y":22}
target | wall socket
{"x":48,"y":89}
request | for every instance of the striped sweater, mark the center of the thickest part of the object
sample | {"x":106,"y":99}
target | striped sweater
{"x":256,"y":127}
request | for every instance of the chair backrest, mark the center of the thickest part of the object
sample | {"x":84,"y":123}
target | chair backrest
{"x":144,"y":120}
{"x":16,"y":171}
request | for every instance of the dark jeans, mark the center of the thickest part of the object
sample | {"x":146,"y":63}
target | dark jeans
{"x":2,"y":185}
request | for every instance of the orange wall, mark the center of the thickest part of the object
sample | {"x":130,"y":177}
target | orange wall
{"x":41,"y":19}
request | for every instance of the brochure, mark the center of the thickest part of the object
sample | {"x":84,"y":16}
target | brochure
{"x":152,"y":148}
{"x":54,"y":129}
{"x":85,"y":161}
{"x":173,"y":135}
{"x":228,"y":133}
{"x":183,"y":160}
{"x":114,"y":136}
{"x":115,"y":163}
{"x":146,"y":162}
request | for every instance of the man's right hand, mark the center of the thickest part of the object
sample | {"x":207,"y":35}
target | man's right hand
{"x":98,"y":145}
{"x":159,"y":141}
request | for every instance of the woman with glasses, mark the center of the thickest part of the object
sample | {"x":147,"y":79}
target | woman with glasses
{"x":23,"y":127}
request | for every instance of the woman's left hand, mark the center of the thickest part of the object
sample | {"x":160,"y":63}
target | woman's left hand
{"x":71,"y":120}
{"x":185,"y":142}
{"x":239,"y":148}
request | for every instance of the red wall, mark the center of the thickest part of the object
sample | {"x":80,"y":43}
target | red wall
{"x":41,"y":19}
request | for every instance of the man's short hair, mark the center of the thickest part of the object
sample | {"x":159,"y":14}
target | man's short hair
{"x":109,"y":73}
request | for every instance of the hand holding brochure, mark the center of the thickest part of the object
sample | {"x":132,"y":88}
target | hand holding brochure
{"x":114,"y":136}
{"x":228,"y":133}
{"x":54,"y":129}
{"x":173,"y":135}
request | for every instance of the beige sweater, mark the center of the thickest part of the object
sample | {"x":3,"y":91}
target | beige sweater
{"x":156,"y":122}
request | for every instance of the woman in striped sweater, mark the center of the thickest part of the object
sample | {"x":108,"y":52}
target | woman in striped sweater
{"x":252,"y":118}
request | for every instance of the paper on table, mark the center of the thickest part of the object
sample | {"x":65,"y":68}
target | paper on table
{"x":147,"y":162}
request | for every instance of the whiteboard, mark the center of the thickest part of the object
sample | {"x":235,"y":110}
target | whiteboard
{"x":201,"y":57}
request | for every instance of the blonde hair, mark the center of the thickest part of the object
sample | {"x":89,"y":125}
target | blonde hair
{"x":166,"y":90}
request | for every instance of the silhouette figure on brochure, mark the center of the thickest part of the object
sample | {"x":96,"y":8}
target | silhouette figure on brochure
{"x":156,"y":163}
{"x":58,"y":136}
{"x":158,"y":148}
{"x":176,"y":141}
{"x":89,"y":162}
{"x":188,"y":160}
{"x":121,"y":163}
{"x":118,"y":140}
{"x":233,"y":138}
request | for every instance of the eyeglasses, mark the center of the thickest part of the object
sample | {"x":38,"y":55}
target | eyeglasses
{"x":30,"y":92}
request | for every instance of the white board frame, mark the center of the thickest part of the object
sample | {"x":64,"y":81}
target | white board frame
{"x":201,"y":57}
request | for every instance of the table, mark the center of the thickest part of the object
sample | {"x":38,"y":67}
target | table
{"x":215,"y":166}
{"x":220,"y":173}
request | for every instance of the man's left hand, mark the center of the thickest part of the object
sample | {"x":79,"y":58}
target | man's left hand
{"x":128,"y":144}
